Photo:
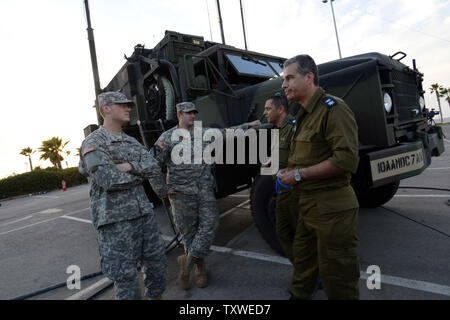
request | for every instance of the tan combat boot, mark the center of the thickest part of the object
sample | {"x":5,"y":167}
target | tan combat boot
{"x":185,"y":264}
{"x":200,"y":275}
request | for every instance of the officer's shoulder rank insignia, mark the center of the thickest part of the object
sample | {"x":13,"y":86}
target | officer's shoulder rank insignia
{"x":329,"y":102}
{"x":88,"y":149}
{"x":292,"y":121}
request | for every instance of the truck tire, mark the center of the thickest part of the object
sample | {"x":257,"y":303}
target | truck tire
{"x":375,"y":197}
{"x":262,"y":201}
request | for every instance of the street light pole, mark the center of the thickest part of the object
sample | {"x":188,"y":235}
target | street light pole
{"x":335,"y":28}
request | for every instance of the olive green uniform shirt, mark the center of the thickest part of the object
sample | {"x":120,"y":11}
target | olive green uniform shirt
{"x":285,"y":135}
{"x":325,"y":129}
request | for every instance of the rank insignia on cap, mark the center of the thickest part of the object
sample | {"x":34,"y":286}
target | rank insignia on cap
{"x":160,"y":144}
{"x":88,"y":149}
{"x":329,"y":102}
{"x":292,"y":121}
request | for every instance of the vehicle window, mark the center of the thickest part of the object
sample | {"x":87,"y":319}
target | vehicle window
{"x":252,"y":66}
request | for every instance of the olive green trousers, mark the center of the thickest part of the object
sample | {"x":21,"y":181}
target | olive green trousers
{"x":324,"y":243}
{"x":286,"y":220}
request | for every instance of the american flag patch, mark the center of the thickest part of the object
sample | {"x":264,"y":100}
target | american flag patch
{"x":88,"y":149}
{"x":160,"y":144}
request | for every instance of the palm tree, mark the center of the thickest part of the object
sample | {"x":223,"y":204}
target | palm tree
{"x":51,"y":150}
{"x":445,"y":92}
{"x":68,"y":154}
{"x":437,"y":88}
{"x":27,"y":152}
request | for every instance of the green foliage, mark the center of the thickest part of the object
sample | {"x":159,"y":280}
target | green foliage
{"x":39,"y":180}
{"x":27,"y":152}
{"x":51,"y":149}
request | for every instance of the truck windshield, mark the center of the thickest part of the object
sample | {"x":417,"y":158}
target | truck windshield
{"x":249,"y":66}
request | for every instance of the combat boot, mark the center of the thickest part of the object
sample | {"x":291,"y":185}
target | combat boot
{"x":200,"y":274}
{"x":185,"y":264}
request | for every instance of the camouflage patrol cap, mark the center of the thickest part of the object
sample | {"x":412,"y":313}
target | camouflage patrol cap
{"x":186,"y":107}
{"x":113,"y":97}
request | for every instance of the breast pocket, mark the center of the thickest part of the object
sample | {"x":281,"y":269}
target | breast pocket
{"x":303,"y":145}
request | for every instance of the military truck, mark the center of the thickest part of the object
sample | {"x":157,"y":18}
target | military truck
{"x":230,"y":86}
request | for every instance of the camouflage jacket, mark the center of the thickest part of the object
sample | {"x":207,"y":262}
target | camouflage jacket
{"x":191,"y":177}
{"x":116,"y":195}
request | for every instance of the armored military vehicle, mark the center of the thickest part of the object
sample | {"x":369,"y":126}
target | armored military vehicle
{"x":229,"y":86}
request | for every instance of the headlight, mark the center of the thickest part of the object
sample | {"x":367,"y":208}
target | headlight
{"x":421,"y":103}
{"x":387,"y":102}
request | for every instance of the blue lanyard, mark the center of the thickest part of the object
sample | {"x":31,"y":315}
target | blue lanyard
{"x":279,"y":185}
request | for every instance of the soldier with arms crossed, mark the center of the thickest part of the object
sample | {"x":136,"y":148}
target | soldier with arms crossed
{"x":127,"y":231}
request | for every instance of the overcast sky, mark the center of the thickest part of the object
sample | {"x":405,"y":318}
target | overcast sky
{"x":46,"y":77}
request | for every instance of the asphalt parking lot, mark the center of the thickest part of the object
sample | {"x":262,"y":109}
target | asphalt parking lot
{"x":407,"y":239}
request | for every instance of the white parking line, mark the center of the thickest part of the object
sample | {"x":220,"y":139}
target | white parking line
{"x":423,"y":195}
{"x":412,"y":284}
{"x":91,"y":290}
{"x":443,"y":168}
{"x":51,"y":210}
{"x":47,"y":197}
{"x":76,"y":219}
{"x":18,"y":220}
{"x":40,"y":222}
{"x":386,"y":279}
{"x":234,"y":208}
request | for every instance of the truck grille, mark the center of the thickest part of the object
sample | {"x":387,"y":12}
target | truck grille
{"x":406,"y":95}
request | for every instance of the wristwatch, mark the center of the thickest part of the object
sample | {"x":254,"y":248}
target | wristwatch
{"x":297,"y":176}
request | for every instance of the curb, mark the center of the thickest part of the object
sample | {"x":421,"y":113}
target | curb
{"x":92,"y":290}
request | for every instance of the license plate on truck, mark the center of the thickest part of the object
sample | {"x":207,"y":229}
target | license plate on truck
{"x":399,"y":165}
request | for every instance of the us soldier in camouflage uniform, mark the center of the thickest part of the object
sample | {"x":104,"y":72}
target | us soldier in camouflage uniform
{"x":324,"y":153}
{"x":276,"y":112}
{"x":128,"y":234}
{"x":191,"y":195}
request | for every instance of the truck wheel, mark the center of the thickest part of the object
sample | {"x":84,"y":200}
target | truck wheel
{"x":262,"y":200}
{"x":375,"y":197}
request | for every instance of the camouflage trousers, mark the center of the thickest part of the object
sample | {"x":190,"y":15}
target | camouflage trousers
{"x":196,"y":218}
{"x":124,"y":246}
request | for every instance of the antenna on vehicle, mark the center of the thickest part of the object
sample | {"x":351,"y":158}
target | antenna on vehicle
{"x":220,"y":22}
{"x":243,"y":24}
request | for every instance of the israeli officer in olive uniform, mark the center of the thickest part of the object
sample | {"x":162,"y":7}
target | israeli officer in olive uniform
{"x":191,"y":195}
{"x":127,"y":230}
{"x":324,"y":153}
{"x":276,"y":112}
